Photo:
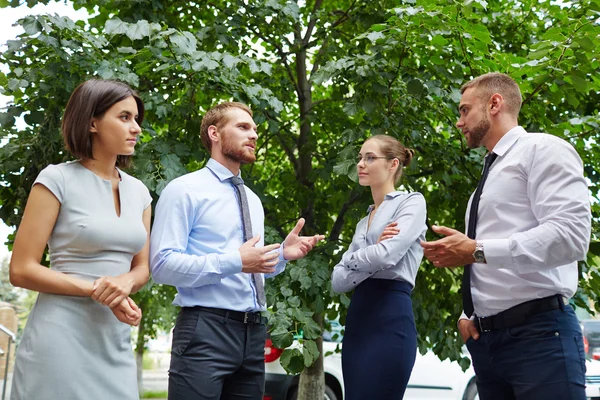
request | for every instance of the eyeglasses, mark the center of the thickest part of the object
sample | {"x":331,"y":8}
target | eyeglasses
{"x":369,"y":158}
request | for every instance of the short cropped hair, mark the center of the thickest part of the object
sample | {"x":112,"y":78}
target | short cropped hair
{"x":496,"y":82}
{"x":92,"y":99}
{"x":217,"y":116}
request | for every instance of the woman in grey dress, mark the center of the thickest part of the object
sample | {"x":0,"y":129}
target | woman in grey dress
{"x":95,"y":219}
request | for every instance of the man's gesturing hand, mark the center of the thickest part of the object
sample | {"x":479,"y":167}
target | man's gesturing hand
{"x":456,"y":249}
{"x":258,"y":259}
{"x":295,"y":246}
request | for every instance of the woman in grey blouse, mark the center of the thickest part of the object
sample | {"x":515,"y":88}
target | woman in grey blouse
{"x":95,"y":219}
{"x":380,"y":343}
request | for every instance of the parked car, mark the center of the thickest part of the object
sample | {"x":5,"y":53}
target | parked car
{"x":431,"y":378}
{"x":591,"y":337}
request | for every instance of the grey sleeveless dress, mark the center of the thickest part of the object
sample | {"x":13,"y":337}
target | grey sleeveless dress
{"x":74,"y":348}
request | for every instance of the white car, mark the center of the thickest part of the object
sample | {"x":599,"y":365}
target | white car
{"x":431,"y":379}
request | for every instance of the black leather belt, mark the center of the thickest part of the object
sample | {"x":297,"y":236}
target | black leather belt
{"x":245,"y":317}
{"x":518,"y":314}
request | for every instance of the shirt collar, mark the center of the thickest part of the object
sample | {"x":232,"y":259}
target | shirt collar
{"x":388,"y":196}
{"x":220,"y":170}
{"x":508,"y":140}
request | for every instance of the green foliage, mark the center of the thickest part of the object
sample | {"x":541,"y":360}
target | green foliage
{"x":8,"y":293}
{"x":155,"y":394}
{"x":320,"y":76}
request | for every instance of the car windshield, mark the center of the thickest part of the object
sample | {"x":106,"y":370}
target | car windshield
{"x":334,"y":334}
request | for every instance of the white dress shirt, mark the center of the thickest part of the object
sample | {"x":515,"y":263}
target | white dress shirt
{"x":534,"y":222}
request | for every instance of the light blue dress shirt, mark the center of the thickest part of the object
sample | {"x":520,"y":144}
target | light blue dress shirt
{"x":195,"y":238}
{"x":397,"y":258}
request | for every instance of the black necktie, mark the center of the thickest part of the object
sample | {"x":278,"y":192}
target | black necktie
{"x":238,"y":183}
{"x":471,"y":233}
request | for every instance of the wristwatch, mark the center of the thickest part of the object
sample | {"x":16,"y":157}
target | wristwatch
{"x":478,"y":254}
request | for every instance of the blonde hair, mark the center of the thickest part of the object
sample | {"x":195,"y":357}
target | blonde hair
{"x":217,"y":116}
{"x":392,"y":148}
{"x":496,"y":82}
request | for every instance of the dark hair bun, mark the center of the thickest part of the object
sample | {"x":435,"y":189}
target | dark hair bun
{"x":408,"y":154}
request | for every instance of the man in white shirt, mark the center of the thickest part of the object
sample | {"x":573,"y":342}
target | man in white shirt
{"x":529,"y":222}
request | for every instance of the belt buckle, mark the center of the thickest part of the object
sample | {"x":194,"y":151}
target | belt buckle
{"x":481,"y":328}
{"x":245,"y":317}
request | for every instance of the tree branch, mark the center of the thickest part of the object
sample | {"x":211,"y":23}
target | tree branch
{"x":336,"y":229}
{"x":462,"y":45}
{"x":312,"y":22}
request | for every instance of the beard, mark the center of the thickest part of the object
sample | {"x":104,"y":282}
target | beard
{"x":236,"y":152}
{"x":477,"y":134}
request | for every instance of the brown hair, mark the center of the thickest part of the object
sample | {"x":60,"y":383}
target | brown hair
{"x":217,"y":116}
{"x":496,"y":82}
{"x":392,"y":148}
{"x":90,"y":100}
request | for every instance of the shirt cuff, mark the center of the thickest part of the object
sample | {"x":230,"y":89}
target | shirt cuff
{"x":497,"y":252}
{"x":464,"y":316}
{"x":230,"y":263}
{"x":281,"y":257}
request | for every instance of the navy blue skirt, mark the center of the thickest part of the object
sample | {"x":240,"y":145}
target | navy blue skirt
{"x":380,"y":341}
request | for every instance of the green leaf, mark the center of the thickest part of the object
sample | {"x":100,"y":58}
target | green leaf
{"x":185,"y":41}
{"x":266,"y":68}
{"x":230,"y":61}
{"x":310,"y":353}
{"x":31,"y":25}
{"x":374,"y":36}
{"x":282,"y":341}
{"x":34,"y":118}
{"x":579,"y":83}
{"x":292,"y":361}
{"x":139,"y":30}
{"x":172,"y":166}
{"x":415,"y":87}
{"x":115,"y":27}
{"x":439,"y":41}
{"x":343,"y":167}
{"x":586,"y":43}
{"x":126,"y":50}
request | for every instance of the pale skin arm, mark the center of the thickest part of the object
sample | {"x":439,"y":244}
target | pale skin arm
{"x":112,"y":290}
{"x":455,"y":249}
{"x":26,"y":271}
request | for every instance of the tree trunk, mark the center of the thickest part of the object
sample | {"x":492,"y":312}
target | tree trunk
{"x":312,"y":380}
{"x":139,"y":355}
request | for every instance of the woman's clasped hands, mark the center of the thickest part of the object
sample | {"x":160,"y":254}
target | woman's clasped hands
{"x":113,"y":292}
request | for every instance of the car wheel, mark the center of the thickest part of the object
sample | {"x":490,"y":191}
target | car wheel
{"x":471,"y":392}
{"x":329,"y":394}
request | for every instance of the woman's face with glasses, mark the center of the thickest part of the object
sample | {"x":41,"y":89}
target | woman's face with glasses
{"x":373,"y":167}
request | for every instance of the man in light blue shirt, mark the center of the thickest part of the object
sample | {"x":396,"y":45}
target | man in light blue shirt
{"x":207,"y":240}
